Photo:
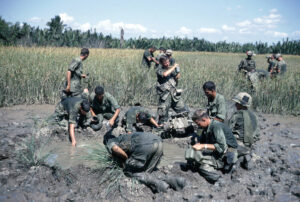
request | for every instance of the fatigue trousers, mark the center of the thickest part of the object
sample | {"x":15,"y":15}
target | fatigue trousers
{"x":146,"y":158}
{"x":165,"y":104}
{"x":59,"y":116}
{"x":101,"y":117}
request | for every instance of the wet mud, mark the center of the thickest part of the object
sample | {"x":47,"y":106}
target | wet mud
{"x":64,"y":174}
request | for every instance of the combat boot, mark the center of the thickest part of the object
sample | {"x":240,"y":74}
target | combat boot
{"x":176,"y":183}
{"x":153,"y":183}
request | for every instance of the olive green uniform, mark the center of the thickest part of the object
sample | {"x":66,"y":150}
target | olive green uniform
{"x":106,"y":109}
{"x":248,"y":66}
{"x":144,"y":150}
{"x":207,"y":161}
{"x":158,"y":57}
{"x":172,"y":61}
{"x":217,"y":108}
{"x":244,"y":125}
{"x":75,"y":68}
{"x":69,"y":109}
{"x":168,"y":95}
{"x":280,"y":68}
{"x":145,"y":61}
{"x":272,"y":64}
{"x":130,"y":117}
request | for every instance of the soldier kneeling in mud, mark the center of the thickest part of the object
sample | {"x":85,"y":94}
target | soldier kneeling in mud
{"x":140,"y":153}
{"x":74,"y":110}
{"x":216,"y":148}
{"x":244,"y":126}
{"x":138,"y":118}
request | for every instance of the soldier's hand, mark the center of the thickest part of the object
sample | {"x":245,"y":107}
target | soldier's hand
{"x":83,"y":75}
{"x":68,"y":89}
{"x":198,"y":146}
{"x":111,"y":122}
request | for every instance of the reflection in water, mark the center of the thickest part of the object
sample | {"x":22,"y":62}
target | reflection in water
{"x":66,"y":156}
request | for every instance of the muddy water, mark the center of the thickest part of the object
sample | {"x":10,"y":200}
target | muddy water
{"x":66,"y":156}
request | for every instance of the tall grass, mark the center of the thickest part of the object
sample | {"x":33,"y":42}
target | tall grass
{"x":35,"y":75}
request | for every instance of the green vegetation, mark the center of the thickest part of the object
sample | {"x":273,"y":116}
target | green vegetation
{"x":35,"y":75}
{"x":59,"y":35}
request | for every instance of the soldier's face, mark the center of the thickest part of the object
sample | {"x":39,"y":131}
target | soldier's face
{"x":209,"y":93}
{"x":203,"y":123}
{"x":166,"y":63}
{"x":82,"y":112}
{"x":85,"y":57}
{"x":100,"y":97}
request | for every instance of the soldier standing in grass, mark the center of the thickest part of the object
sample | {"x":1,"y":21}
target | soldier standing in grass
{"x":216,"y":106}
{"x":280,"y":68}
{"x":74,"y":75}
{"x":70,"y":109}
{"x":162,"y":52}
{"x":139,"y":153}
{"x":248,"y":67}
{"x":244,"y":125}
{"x":103,"y":106}
{"x":169,"y":53}
{"x":138,"y":114}
{"x":216,"y":148}
{"x":148,"y":57}
{"x":169,"y":95}
{"x":271,"y":61}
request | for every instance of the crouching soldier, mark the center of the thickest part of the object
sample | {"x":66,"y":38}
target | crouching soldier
{"x":138,"y":115}
{"x":104,"y":106}
{"x":140,"y":153}
{"x":169,"y":95}
{"x":244,"y":125}
{"x":215,"y":150}
{"x":71,"y":109}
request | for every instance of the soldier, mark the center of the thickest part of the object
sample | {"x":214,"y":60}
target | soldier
{"x":162,"y":52}
{"x":70,"y":108}
{"x":136,"y":115}
{"x":271,"y":61}
{"x":104,"y":105}
{"x":244,"y":125}
{"x":248,"y":67}
{"x":74,"y":75}
{"x":148,"y":57}
{"x":169,"y":95}
{"x":169,"y":53}
{"x":280,"y":68}
{"x":216,"y":106}
{"x":140,"y":153}
{"x":216,"y":147}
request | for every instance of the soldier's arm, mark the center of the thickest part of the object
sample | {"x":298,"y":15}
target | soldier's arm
{"x":220,"y":145}
{"x":119,"y":152}
{"x":178,"y":76}
{"x":200,"y":146}
{"x":241,"y":65}
{"x":72,"y":133}
{"x":113,"y":119}
{"x":154,"y":122}
{"x":169,"y":71}
{"x":68,"y":81}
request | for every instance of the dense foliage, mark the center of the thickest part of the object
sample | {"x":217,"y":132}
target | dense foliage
{"x":59,"y":35}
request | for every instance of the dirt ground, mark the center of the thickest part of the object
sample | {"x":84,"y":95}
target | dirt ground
{"x":274,"y":176}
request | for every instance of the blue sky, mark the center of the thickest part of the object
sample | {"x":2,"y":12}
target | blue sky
{"x":215,"y":20}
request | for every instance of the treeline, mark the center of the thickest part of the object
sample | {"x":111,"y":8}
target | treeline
{"x":58,"y":34}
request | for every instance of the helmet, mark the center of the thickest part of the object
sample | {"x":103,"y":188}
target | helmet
{"x":169,"y":52}
{"x":243,"y":99}
{"x":249,"y":53}
{"x":278,"y":55}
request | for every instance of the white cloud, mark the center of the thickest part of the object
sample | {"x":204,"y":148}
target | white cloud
{"x":209,"y":31}
{"x":229,"y":8}
{"x":260,"y":10}
{"x":274,"y":10}
{"x":227,"y":28}
{"x":225,"y":38}
{"x":183,"y":31}
{"x":276,"y":34}
{"x":296,"y":33}
{"x":66,"y":18}
{"x":108,"y":26}
{"x":85,"y":27}
{"x":244,"y":23}
{"x":35,"y":19}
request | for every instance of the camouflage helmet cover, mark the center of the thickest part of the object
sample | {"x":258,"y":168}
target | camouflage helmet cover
{"x":243,"y":99}
{"x":249,"y":53}
{"x":169,"y":52}
{"x":278,"y":55}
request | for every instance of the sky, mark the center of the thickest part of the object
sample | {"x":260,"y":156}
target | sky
{"x":214,"y":20}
